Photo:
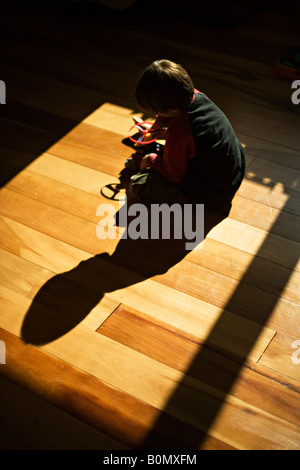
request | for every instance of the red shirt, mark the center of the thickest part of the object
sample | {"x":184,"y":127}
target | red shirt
{"x":179,"y":148}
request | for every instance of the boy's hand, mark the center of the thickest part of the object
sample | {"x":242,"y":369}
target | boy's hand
{"x":147,"y":160}
{"x":144,"y":163}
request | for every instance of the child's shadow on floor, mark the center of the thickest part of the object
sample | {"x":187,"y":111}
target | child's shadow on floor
{"x":67,"y":298}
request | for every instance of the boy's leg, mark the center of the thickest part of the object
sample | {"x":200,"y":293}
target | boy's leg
{"x":150,"y":186}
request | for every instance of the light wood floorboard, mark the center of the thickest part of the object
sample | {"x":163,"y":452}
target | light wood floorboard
{"x":138,"y":344}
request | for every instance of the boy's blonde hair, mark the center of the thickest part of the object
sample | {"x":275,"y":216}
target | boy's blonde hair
{"x":164,"y":85}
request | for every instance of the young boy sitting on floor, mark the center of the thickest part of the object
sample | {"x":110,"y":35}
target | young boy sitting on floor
{"x":202,"y":160}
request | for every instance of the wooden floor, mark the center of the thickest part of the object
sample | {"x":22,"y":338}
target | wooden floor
{"x":121,"y":344}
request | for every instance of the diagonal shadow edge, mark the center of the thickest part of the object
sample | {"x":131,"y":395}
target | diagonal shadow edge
{"x":204,"y":415}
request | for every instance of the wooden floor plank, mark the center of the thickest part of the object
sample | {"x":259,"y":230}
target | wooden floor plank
{"x":148,"y":391}
{"x":196,"y":350}
{"x":84,"y":152}
{"x":89,"y":139}
{"x":34,"y":246}
{"x":153,"y":338}
{"x":65,"y":258}
{"x":27,"y":279}
{"x":232,"y":232}
{"x":92,"y":181}
{"x":270,"y":195}
{"x":229,"y":231}
{"x":48,"y":219}
{"x":234,"y":263}
{"x":63,"y":196}
{"x":266,"y":218}
{"x":42,"y":426}
{"x":44,"y":289}
{"x":231,"y":263}
{"x":72,"y":229}
{"x":281,"y":355}
{"x":101,"y":406}
{"x":288,"y":177}
{"x":63,"y":104}
{"x":105,"y":118}
{"x":208,"y":287}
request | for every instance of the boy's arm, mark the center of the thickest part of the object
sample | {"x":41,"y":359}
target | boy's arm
{"x":159,"y":123}
{"x":172,"y":165}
